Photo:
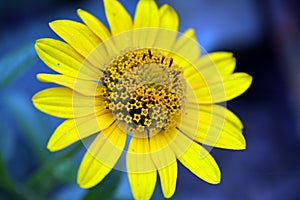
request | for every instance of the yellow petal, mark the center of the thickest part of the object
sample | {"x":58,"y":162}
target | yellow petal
{"x":168,"y":179}
{"x":217,"y":127}
{"x":223,"y":90}
{"x":224,"y":61}
{"x":187,"y":39}
{"x":196,"y":159}
{"x":62,"y":58}
{"x":104,"y":49}
{"x":118,"y":18}
{"x":77,"y":35}
{"x":138,"y":158}
{"x":88,"y":88}
{"x":165,"y":37}
{"x":221,"y":111}
{"x":94,"y":24}
{"x":141,"y":170}
{"x":201,"y":163}
{"x":101,"y":156}
{"x":161,"y":153}
{"x":142,"y":184}
{"x":210,"y":68}
{"x":186,"y":49}
{"x":64,"y":103}
{"x":168,"y":18}
{"x":166,"y":163}
{"x":72,"y":130}
{"x":146,"y":14}
{"x":197,"y":78}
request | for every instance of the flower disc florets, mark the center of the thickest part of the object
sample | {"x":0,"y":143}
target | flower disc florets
{"x":145,"y":90}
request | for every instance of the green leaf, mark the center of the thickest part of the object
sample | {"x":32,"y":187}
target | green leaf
{"x":14,"y":63}
{"x":106,"y":189}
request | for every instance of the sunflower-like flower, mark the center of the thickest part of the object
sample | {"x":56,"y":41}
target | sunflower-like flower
{"x":143,"y":94}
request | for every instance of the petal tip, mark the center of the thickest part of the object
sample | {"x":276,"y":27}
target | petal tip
{"x":51,"y":146}
{"x":248,"y":81}
{"x":52,"y":23}
{"x":169,"y":194}
{"x":80,"y":12}
{"x":215,"y":178}
{"x":55,"y":23}
{"x":34,"y":98}
{"x":242,"y":145}
{"x":250,"y":78}
{"x":83,"y":182}
{"x":39,"y":77}
{"x":83,"y":185}
{"x":37,"y":44}
{"x":166,"y":6}
{"x":216,"y":181}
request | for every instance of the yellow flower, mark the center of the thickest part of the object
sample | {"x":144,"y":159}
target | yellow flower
{"x":142,"y":82}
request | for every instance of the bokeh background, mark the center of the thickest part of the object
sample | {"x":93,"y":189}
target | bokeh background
{"x":265,"y":38}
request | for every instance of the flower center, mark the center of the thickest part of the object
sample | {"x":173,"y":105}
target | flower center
{"x":145,"y":90}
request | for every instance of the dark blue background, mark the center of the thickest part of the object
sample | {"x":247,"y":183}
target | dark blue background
{"x":265,"y":38}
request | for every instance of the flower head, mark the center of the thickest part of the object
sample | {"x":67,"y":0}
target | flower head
{"x":142,"y":82}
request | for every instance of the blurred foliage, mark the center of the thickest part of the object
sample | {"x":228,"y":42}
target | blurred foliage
{"x":13,"y":64}
{"x":24,"y":135}
{"x":106,"y":189}
{"x":6,"y":182}
{"x":28,"y":119}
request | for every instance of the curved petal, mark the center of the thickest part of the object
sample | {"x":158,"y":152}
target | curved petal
{"x":168,"y":18}
{"x":101,"y":156}
{"x":146,"y":14}
{"x":88,"y":88}
{"x":224,"y":61}
{"x":201,"y":163}
{"x":77,"y":35}
{"x":223,"y":112}
{"x":165,"y":37}
{"x":211,"y":68}
{"x":184,"y":40}
{"x":141,"y":170}
{"x":118,"y":18}
{"x":138,"y":158}
{"x":94,"y":24}
{"x":62,"y":58}
{"x":166,"y":163}
{"x":223,"y":90}
{"x":64,"y":103}
{"x":168,"y":179}
{"x":142,"y":184}
{"x":186,"y":49}
{"x":217,"y":127}
{"x":196,"y":159}
{"x":73,"y":130}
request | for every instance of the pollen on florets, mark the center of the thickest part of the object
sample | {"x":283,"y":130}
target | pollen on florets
{"x":144,"y":89}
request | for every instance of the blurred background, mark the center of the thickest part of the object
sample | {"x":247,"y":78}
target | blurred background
{"x":265,"y":38}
